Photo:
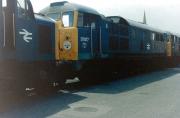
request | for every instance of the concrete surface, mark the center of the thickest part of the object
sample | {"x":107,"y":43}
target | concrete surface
{"x":153,"y":95}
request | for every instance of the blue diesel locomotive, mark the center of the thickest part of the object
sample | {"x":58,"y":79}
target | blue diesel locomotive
{"x":90,"y":42}
{"x":66,"y":40}
{"x":27,"y":45}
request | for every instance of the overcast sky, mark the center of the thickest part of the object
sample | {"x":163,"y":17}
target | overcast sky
{"x":162,"y":14}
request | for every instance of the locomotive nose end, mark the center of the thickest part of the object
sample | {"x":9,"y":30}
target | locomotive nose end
{"x":66,"y":43}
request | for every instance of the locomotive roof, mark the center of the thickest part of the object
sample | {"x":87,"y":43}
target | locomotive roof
{"x":138,"y":24}
{"x":44,"y":18}
{"x":173,"y":34}
{"x":66,"y":6}
{"x":143,"y":26}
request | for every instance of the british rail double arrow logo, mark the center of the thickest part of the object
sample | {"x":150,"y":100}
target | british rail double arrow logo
{"x":27,"y":36}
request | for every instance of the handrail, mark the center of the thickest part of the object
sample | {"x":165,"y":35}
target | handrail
{"x":91,"y":41}
{"x":14,"y":34}
{"x":4,"y":26}
{"x":100,"y":41}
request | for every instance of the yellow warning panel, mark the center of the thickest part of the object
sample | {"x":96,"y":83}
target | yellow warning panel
{"x":67,"y":44}
{"x":169,"y":48}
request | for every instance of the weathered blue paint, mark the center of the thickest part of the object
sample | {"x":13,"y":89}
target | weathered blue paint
{"x":84,"y":43}
{"x":49,"y":43}
{"x":89,"y":41}
{"x":26,"y":51}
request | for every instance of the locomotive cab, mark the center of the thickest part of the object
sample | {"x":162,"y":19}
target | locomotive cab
{"x":18,"y":30}
{"x":80,"y":33}
{"x":67,"y":44}
{"x":26,"y":41}
{"x":85,"y":35}
{"x":81,"y":37}
{"x":24,"y":34}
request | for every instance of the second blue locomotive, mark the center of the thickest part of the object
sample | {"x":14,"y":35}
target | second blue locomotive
{"x":89,"y":42}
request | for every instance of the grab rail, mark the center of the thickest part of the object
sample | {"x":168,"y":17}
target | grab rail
{"x":4,"y":26}
{"x":14,"y":33}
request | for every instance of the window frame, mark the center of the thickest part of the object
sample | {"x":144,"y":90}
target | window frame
{"x":71,"y":24}
{"x":93,"y":23}
{"x":25,"y":12}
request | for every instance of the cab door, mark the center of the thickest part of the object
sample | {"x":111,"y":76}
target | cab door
{"x":95,"y":37}
{"x":25,"y":25}
{"x":89,"y":35}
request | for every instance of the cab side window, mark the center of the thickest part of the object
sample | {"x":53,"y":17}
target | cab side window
{"x":4,"y":3}
{"x":80,"y":20}
{"x":21,"y":8}
{"x":87,"y":20}
{"x":24,"y":9}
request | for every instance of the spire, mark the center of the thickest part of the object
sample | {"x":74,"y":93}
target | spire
{"x":144,"y":18}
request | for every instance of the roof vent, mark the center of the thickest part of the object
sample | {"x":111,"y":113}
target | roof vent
{"x":58,"y":3}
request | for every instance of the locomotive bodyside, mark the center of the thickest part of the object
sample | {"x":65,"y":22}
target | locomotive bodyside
{"x":89,"y":42}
